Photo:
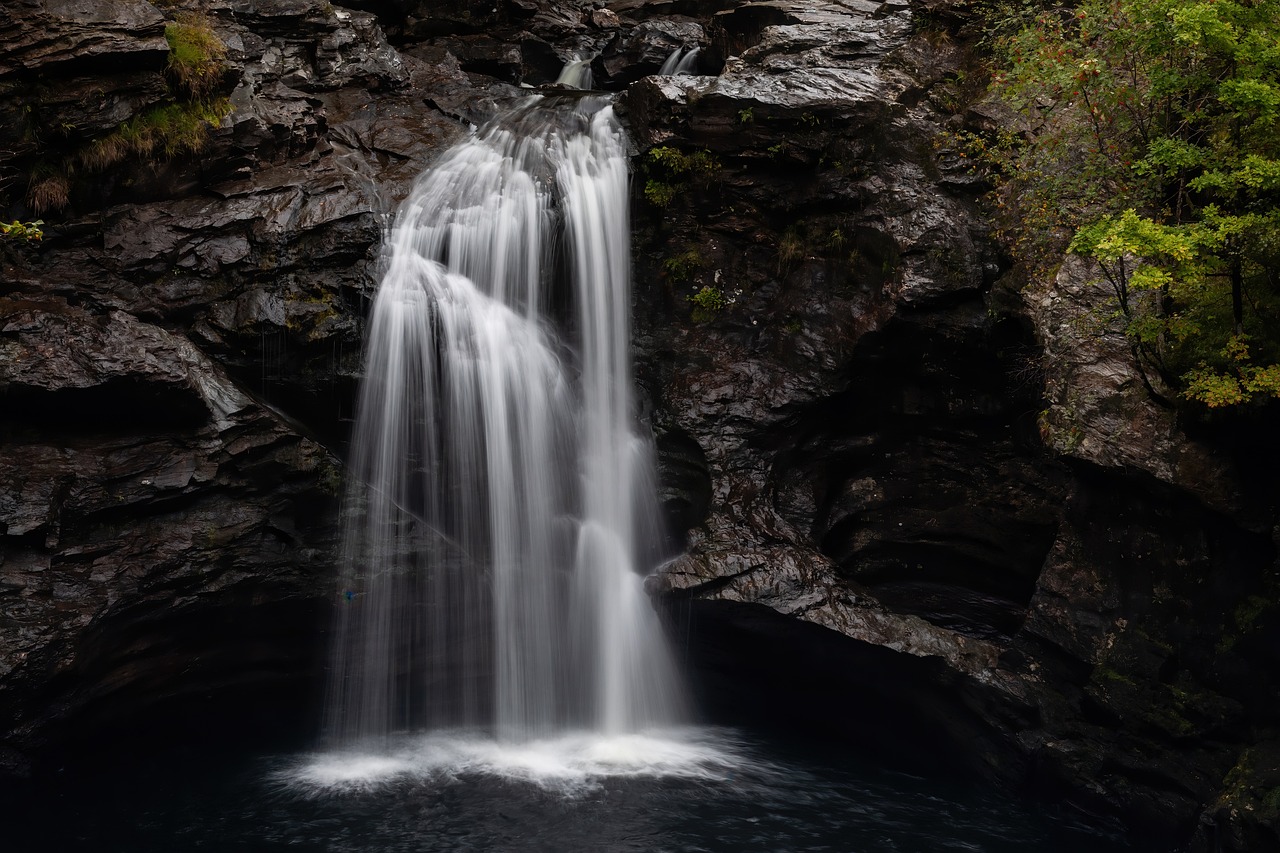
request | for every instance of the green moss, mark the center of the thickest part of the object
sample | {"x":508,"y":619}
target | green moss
{"x":1271,"y":805}
{"x":1244,"y":621}
{"x":1105,"y":673}
{"x":195,"y":72}
{"x":684,"y":266}
{"x":1248,"y":786}
{"x":329,"y":478}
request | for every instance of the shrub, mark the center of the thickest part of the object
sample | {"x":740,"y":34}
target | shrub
{"x":659,"y":193}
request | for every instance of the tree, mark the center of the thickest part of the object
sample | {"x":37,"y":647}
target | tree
{"x":1157,"y":148}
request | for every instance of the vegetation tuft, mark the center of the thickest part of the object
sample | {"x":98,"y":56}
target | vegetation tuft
{"x":195,"y":56}
{"x":708,"y":301}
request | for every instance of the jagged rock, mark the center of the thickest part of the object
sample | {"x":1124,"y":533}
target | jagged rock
{"x":49,"y":346}
{"x":46,"y":36}
{"x":605,"y":19}
{"x":1101,"y":408}
{"x":643,"y":49}
{"x":52,"y":55}
{"x":1246,"y":815}
{"x":309,"y":45}
{"x":150,"y":500}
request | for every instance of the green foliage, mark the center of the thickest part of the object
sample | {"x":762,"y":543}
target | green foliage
{"x":708,"y":301}
{"x":672,"y":161}
{"x":195,"y":72}
{"x":1003,"y":19}
{"x":1154,"y":148}
{"x":746,"y":116}
{"x":671,"y":170}
{"x":174,"y":128}
{"x":29,"y":231}
{"x":160,"y":133}
{"x":660,"y":193}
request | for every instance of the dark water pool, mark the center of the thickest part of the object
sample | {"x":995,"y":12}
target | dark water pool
{"x":705,"y":789}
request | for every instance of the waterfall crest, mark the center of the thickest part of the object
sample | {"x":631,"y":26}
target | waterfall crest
{"x":499,"y":498}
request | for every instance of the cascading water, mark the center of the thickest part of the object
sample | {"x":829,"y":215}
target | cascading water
{"x":499,"y":498}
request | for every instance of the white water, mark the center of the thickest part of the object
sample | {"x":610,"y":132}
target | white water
{"x":576,"y":74}
{"x":568,"y":764}
{"x":500,"y":499}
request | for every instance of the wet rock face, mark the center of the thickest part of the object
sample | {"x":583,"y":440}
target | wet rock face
{"x":142,"y":488}
{"x":47,"y":35}
{"x":1102,"y":408}
{"x":922,"y":482}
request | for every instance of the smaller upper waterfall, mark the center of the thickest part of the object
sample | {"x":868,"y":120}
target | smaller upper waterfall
{"x":501,"y":501}
{"x":680,"y":61}
{"x":576,"y":74}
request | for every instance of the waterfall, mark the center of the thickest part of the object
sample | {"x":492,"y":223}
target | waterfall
{"x":688,"y":63}
{"x":672,"y":60}
{"x":500,"y":500}
{"x":576,"y":74}
{"x":680,"y":61}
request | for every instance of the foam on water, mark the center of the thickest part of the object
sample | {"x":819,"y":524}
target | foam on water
{"x":569,"y":764}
